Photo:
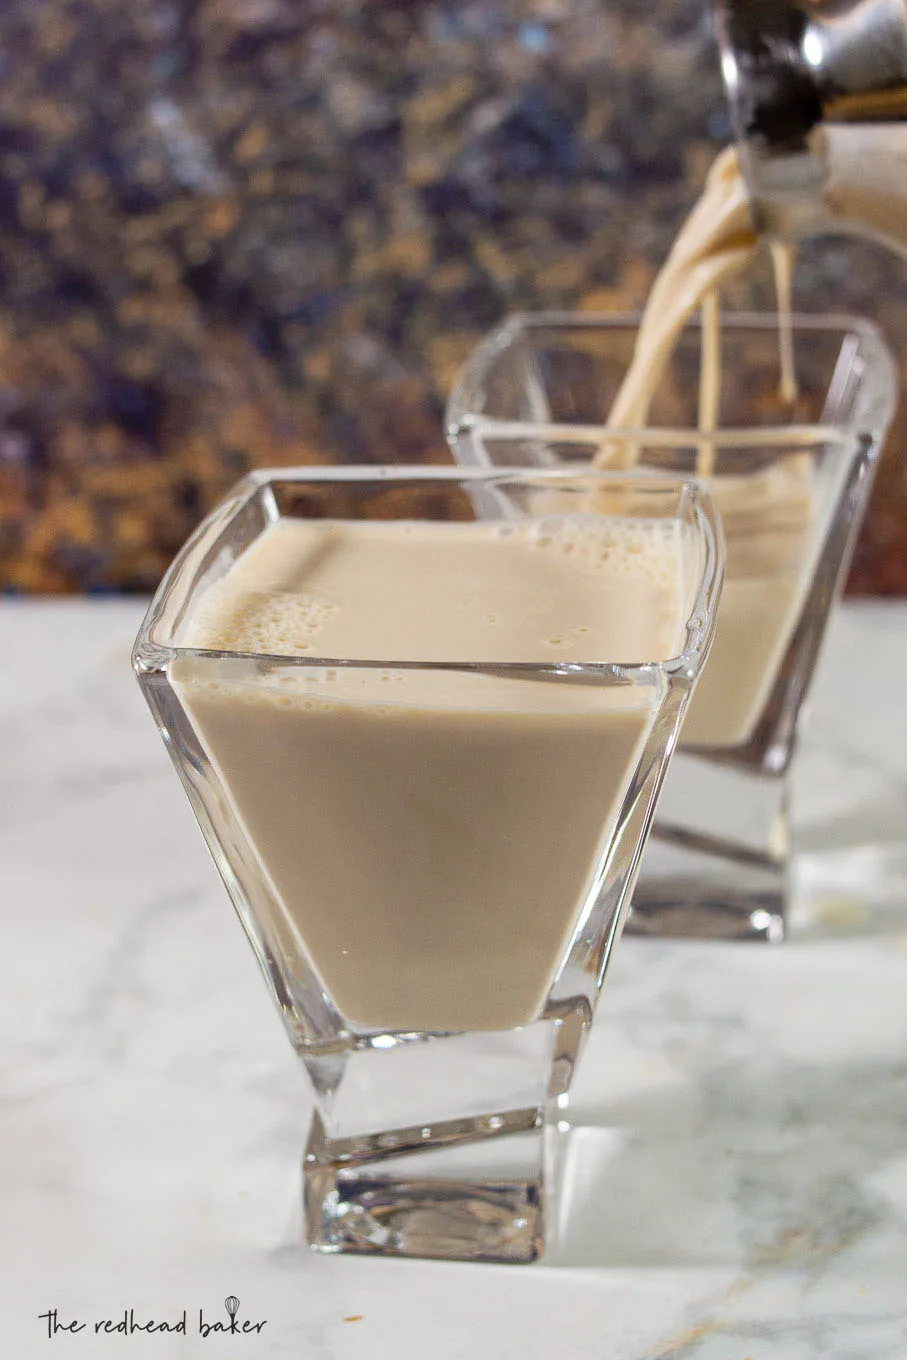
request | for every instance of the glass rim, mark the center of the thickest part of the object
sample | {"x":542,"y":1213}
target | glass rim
{"x":871,"y":415}
{"x":693,"y":497}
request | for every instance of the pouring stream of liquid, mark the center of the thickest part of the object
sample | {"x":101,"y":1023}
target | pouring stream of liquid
{"x":716,"y":243}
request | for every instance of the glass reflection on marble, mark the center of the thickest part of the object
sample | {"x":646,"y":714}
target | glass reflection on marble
{"x":428,"y":1140}
{"x":792,"y":481}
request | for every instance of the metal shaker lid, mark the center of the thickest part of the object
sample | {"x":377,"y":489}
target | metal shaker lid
{"x":791,"y":67}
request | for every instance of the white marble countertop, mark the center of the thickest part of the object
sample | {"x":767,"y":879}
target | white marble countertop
{"x":738,"y":1175}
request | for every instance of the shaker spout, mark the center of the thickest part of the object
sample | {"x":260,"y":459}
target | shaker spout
{"x":800,"y":76}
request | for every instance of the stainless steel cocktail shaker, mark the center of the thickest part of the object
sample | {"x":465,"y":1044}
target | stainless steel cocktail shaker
{"x":818,"y":95}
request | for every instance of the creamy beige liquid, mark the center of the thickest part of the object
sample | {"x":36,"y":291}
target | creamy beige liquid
{"x":767,"y":521}
{"x":767,"y":516}
{"x":715,"y":244}
{"x":431,"y":836}
{"x":783,"y":258}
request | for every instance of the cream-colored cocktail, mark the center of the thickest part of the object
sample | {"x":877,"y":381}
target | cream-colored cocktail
{"x":431,"y":835}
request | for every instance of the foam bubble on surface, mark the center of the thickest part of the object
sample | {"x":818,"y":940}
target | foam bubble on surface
{"x":230,"y":618}
{"x":566,"y":587}
{"x":643,"y":548}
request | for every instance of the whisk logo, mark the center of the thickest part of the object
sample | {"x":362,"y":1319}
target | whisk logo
{"x":231,"y":1303}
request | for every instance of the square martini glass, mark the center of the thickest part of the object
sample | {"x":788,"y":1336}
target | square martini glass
{"x":433,"y":887}
{"x":792,"y":481}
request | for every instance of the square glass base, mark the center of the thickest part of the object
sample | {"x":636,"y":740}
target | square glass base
{"x":717,"y":862}
{"x":464,"y":1190}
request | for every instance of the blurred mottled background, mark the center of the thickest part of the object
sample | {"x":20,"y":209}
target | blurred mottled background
{"x":255,"y":232}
